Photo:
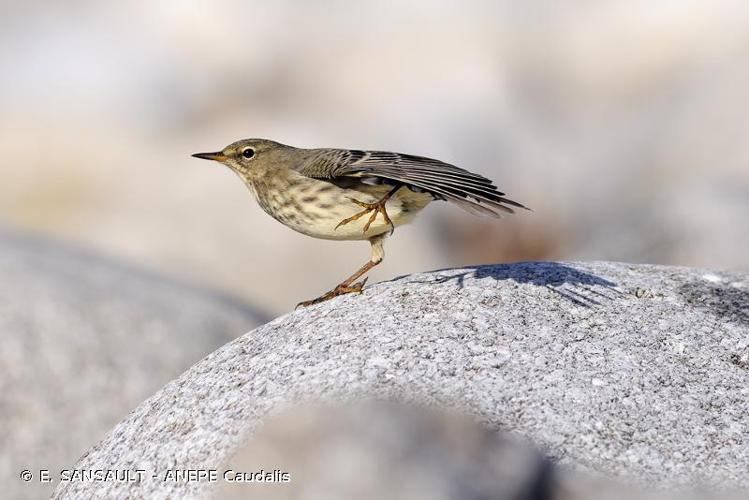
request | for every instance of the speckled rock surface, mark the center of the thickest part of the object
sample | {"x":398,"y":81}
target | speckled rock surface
{"x":633,"y":371}
{"x":84,"y":341}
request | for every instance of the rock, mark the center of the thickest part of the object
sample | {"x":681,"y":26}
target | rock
{"x":84,"y":340}
{"x":399,"y":452}
{"x":632,"y":371}
{"x":375,"y":450}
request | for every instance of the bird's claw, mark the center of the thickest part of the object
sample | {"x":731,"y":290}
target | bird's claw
{"x":341,"y":289}
{"x":375,"y":208}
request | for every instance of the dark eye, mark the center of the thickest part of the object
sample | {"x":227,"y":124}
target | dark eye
{"x":248,"y":152}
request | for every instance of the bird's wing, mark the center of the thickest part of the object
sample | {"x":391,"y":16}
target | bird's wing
{"x":472,"y":192}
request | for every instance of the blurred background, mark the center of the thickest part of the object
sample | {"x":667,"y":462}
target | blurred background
{"x":621,"y":123}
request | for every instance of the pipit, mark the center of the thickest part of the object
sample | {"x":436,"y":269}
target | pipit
{"x":349,"y":194}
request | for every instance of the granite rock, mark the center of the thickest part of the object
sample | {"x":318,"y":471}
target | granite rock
{"x":84,"y":340}
{"x":632,"y":371}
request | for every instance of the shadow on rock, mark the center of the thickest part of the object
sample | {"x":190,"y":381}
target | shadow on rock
{"x":727,"y":302}
{"x":580,"y":287}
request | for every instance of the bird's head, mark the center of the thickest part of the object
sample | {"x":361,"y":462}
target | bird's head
{"x":242,"y":156}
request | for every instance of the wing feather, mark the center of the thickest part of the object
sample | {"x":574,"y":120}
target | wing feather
{"x":472,"y":192}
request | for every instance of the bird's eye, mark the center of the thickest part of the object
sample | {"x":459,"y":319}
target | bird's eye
{"x":248,"y":153}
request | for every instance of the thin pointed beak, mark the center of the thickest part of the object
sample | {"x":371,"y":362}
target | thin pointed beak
{"x":217,"y":156}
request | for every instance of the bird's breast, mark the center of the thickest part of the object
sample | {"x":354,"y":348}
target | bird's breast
{"x":315,"y":207}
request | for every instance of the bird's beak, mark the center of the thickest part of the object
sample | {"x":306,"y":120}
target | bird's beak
{"x":218,"y":156}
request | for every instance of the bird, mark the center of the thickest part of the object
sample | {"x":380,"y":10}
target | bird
{"x":353,"y":194}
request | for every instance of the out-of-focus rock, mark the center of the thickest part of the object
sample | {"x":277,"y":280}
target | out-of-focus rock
{"x":84,"y":340}
{"x":628,"y":370}
{"x":383,"y":451}
{"x":373,"y":450}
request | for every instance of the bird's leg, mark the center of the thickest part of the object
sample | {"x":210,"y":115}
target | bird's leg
{"x":376,"y":208}
{"x":350,"y":285}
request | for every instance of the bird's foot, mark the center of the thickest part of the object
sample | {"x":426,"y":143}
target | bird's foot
{"x":341,"y":289}
{"x":376,"y":208}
